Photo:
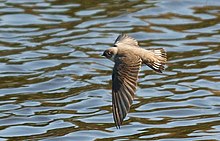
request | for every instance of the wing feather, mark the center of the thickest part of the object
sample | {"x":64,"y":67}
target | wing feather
{"x":125,"y":39}
{"x":124,"y":82}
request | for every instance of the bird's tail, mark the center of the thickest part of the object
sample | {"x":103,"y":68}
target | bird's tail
{"x":158,"y":60}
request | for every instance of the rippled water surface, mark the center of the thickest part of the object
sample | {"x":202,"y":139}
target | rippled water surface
{"x":56,"y":86}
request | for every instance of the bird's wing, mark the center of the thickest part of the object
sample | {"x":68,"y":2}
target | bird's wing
{"x":124,"y":82}
{"x":125,"y":39}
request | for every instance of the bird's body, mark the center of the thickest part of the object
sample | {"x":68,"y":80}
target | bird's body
{"x":128,"y":58}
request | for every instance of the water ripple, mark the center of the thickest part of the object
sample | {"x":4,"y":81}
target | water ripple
{"x":56,"y":86}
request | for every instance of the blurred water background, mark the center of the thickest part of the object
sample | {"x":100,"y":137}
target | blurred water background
{"x":56,"y":86}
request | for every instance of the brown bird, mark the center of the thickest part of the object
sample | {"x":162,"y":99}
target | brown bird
{"x":128,"y":58}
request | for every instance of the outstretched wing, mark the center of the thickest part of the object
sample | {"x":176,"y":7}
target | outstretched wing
{"x":125,"y":39}
{"x":124,"y":82}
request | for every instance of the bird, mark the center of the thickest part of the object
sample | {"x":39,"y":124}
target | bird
{"x":128,"y":58}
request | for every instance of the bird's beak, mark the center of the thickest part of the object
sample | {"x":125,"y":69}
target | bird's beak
{"x":103,"y":54}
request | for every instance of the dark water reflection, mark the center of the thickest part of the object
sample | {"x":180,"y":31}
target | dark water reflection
{"x":55,"y":86}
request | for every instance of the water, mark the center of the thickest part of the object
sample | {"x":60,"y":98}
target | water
{"x":56,"y":86}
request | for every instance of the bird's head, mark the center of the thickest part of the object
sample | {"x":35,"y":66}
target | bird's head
{"x":110,"y":53}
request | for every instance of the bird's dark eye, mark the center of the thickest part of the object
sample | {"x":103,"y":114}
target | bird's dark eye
{"x":109,"y":53}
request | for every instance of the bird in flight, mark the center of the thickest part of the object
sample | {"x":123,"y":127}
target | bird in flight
{"x":128,"y":58}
